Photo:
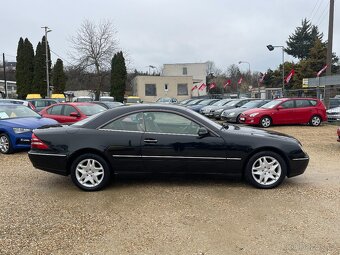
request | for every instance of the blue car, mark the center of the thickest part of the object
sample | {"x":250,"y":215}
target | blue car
{"x":16,"y":125}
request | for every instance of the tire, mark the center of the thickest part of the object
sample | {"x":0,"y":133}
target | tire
{"x":238,"y":119}
{"x":265,"y":122}
{"x":90,"y":172}
{"x":315,"y":121}
{"x":5,"y":144}
{"x":265,"y":170}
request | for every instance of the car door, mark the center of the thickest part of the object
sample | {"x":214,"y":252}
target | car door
{"x":54,"y":112}
{"x":171,"y":144}
{"x":303,"y":111}
{"x":284,"y":113}
{"x":66,"y":112}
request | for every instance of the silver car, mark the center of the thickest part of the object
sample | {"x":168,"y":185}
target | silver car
{"x":333,"y":114}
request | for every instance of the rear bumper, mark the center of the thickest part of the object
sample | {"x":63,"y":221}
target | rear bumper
{"x":54,"y":163}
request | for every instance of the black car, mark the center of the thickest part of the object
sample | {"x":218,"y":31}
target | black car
{"x":163,"y":139}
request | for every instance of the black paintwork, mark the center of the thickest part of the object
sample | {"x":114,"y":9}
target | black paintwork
{"x":127,"y":152}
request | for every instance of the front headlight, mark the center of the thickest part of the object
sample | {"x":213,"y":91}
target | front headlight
{"x":219,"y":110}
{"x":231,"y":114}
{"x":21,"y":130}
{"x":254,"y":114}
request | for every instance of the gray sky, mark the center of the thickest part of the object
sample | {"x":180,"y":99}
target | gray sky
{"x":155,"y":32}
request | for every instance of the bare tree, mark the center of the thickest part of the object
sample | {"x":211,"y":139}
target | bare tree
{"x":93,"y":48}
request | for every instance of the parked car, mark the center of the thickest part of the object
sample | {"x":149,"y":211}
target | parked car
{"x":334,"y":102}
{"x":107,"y":104}
{"x":286,"y":111}
{"x":333,"y":114}
{"x":82,"y":99}
{"x":209,"y":110}
{"x":167,"y":100}
{"x":164,"y":139}
{"x":106,"y":99}
{"x":200,"y":105}
{"x":16,"y":125}
{"x":40,"y":104}
{"x":58,"y":97}
{"x":17,"y":101}
{"x":338,"y":132}
{"x":235,"y":103}
{"x":69,"y":113}
{"x":133,"y":100}
{"x":185,"y":101}
{"x":194,"y":102}
{"x":233,"y":115}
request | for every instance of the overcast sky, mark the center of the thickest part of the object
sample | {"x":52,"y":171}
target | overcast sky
{"x":155,"y":32}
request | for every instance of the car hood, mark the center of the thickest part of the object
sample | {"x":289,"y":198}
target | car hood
{"x":30,"y":122}
{"x":236,"y":110}
{"x":259,"y":110}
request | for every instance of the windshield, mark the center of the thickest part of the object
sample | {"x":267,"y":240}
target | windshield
{"x":271,"y":104}
{"x":221,"y":102}
{"x":251,"y":104}
{"x":89,"y":110}
{"x":194,"y":101}
{"x":205,"y":102}
{"x":16,"y":111}
{"x":232,"y":103}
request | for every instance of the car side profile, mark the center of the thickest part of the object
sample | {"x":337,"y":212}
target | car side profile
{"x":284,"y":111}
{"x":164,"y":139}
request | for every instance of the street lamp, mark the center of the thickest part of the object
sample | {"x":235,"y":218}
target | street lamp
{"x":47,"y":71}
{"x":245,"y":62}
{"x":271,"y":48}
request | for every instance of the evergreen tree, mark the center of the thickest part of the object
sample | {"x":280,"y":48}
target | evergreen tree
{"x":302,"y":40}
{"x":29,"y":65}
{"x":58,"y":77}
{"x":118,"y":76}
{"x":19,"y":75}
{"x":39,"y":79}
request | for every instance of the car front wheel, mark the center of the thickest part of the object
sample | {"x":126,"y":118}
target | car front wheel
{"x":265,"y":122}
{"x":266,"y":170}
{"x":5,"y":144}
{"x":90,"y":172}
{"x":315,"y":121}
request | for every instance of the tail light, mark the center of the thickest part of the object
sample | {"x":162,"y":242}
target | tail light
{"x":36,"y":143}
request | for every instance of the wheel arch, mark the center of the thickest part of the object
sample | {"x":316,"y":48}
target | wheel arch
{"x":268,"y":116}
{"x":267,"y":148}
{"x":76,"y":154}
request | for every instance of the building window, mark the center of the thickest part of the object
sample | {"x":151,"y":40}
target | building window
{"x":182,"y":89}
{"x":166,"y":87}
{"x":150,"y":90}
{"x":185,"y":71}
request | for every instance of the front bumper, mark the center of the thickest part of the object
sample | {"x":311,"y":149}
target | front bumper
{"x":298,"y":166}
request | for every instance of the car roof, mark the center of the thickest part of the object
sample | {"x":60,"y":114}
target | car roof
{"x":74,"y":103}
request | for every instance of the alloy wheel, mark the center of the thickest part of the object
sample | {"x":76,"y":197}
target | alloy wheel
{"x":266,"y":170}
{"x":265,"y":122}
{"x":89,"y":173}
{"x":315,"y":121}
{"x":4,"y":144}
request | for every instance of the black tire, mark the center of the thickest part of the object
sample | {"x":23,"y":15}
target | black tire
{"x":261,"y":174}
{"x":238,"y":118}
{"x":95,"y":176}
{"x":5,"y":144}
{"x":315,"y":121}
{"x":265,"y":122}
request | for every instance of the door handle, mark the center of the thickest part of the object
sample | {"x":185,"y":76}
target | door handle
{"x":150,"y":140}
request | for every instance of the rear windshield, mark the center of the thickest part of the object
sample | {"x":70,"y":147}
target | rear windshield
{"x":16,"y":111}
{"x":89,"y":110}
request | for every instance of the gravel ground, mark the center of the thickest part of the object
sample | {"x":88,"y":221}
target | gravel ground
{"x":43,"y":213}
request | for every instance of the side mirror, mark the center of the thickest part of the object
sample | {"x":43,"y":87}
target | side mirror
{"x":279,"y":107}
{"x":75,"y":114}
{"x":202,"y":131}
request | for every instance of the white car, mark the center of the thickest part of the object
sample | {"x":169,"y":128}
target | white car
{"x":333,"y":114}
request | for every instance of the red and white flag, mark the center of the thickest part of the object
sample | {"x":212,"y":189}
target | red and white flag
{"x":262,"y":75}
{"x":202,"y":86}
{"x":227,"y":83}
{"x":212,"y":85}
{"x":240,"y":81}
{"x":289,"y":76}
{"x":194,"y":87}
{"x":321,"y":71}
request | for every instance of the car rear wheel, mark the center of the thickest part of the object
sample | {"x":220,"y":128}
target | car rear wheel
{"x":90,"y":172}
{"x":266,"y":170}
{"x":265,"y":122}
{"x":5,"y":144}
{"x":315,"y":121}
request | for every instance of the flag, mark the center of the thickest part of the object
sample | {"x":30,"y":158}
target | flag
{"x":289,"y":76}
{"x":262,"y":75}
{"x":227,"y":83}
{"x":202,"y":86}
{"x":212,"y":85}
{"x":239,"y":81}
{"x":194,"y":87}
{"x":321,"y":71}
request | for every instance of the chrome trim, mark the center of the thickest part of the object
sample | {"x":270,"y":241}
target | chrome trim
{"x":159,"y":133}
{"x":114,"y":130}
{"x":300,"y":159}
{"x":182,"y":157}
{"x":46,"y":154}
{"x":234,"y":158}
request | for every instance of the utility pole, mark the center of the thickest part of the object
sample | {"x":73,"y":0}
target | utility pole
{"x":330,"y":37}
{"x":4,"y":65}
{"x":47,"y":71}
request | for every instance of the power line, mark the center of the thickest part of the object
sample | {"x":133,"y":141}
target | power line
{"x":322,"y":16}
{"x":61,"y":58}
{"x":316,"y":11}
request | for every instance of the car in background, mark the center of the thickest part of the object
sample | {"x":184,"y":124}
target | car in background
{"x":108,"y":104}
{"x":82,"y":99}
{"x":17,"y":101}
{"x":58,"y":97}
{"x":194,"y":102}
{"x":233,"y":115}
{"x":40,"y":104}
{"x":164,"y":139}
{"x":338,"y":132}
{"x":334,"y":102}
{"x":167,"y":100}
{"x":235,"y":103}
{"x":16,"y":125}
{"x":283,"y":111}
{"x":185,"y":101}
{"x":333,"y":114}
{"x":133,"y":100}
{"x":68,"y":113}
{"x":106,"y":99}
{"x":200,"y":105}
{"x":209,"y":110}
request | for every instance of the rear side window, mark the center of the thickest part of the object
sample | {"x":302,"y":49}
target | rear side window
{"x":313,"y":102}
{"x":55,"y":110}
{"x":288,"y":104}
{"x":303,"y":103}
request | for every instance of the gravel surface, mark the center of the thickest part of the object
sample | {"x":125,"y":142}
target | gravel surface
{"x":43,"y":213}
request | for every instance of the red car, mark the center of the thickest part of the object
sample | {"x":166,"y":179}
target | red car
{"x":338,"y":131}
{"x":69,"y":113}
{"x":286,"y":111}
